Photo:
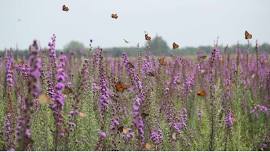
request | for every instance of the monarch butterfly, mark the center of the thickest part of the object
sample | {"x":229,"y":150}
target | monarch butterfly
{"x":114,"y":16}
{"x":120,"y":87}
{"x":201,"y":93}
{"x":162,"y":61}
{"x":65,"y":8}
{"x":147,"y":37}
{"x":44,"y":99}
{"x":175,"y":45}
{"x":248,"y":35}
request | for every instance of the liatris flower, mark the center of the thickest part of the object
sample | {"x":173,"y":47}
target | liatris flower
{"x":139,"y":99}
{"x":260,"y":108}
{"x":114,"y":123}
{"x":51,"y":72}
{"x":83,"y":77}
{"x":58,"y":98}
{"x":156,"y":136}
{"x":9,"y":72}
{"x":182,"y":123}
{"x":212,"y":100}
{"x":9,"y":126}
{"x":102,"y":135}
{"x":127,"y":135}
{"x":229,"y":120}
{"x":8,"y":131}
{"x":104,"y":95}
{"x":24,"y":122}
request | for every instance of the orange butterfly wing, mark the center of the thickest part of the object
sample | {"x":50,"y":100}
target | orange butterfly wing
{"x":162,"y":61}
{"x":120,"y":87}
{"x":201,"y":93}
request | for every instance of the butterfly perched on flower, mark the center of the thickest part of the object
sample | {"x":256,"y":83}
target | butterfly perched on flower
{"x":162,"y":61}
{"x":175,"y":45}
{"x":201,"y":93}
{"x":114,"y":16}
{"x":82,"y":115}
{"x":147,"y":146}
{"x":144,"y":115}
{"x":67,"y":90}
{"x":65,"y":8}
{"x":120,"y":129}
{"x":130,"y":65}
{"x":120,"y":86}
{"x":151,"y":74}
{"x":248,"y":35}
{"x":44,"y":99}
{"x":147,"y":37}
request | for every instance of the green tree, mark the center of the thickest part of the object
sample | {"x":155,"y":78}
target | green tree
{"x":74,"y":46}
{"x":159,"y":46}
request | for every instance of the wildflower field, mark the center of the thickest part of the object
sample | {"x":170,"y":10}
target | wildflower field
{"x":57,"y":101}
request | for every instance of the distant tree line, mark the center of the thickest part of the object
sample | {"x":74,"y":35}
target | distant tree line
{"x":157,"y":46}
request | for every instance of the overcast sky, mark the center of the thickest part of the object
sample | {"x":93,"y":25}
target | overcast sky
{"x":188,"y":22}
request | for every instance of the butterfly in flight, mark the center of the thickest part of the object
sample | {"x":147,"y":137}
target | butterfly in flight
{"x":65,"y":8}
{"x":248,"y":35}
{"x":175,"y":45}
{"x":126,"y":41}
{"x":114,"y":16}
{"x":147,"y":37}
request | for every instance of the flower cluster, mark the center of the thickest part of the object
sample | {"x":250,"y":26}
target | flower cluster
{"x":229,"y":120}
{"x":182,"y":123}
{"x":259,"y":108}
{"x":156,"y":136}
{"x":139,"y":99}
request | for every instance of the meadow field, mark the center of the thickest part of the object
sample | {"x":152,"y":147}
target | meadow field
{"x":58,"y":101}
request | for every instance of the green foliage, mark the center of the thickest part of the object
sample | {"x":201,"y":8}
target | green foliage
{"x":159,"y":46}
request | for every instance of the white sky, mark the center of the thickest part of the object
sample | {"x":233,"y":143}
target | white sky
{"x":188,"y":22}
